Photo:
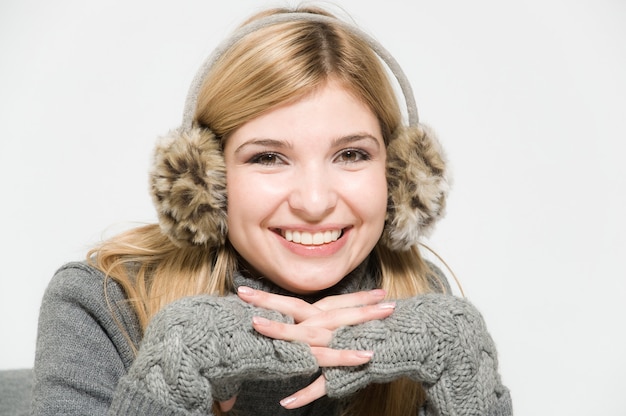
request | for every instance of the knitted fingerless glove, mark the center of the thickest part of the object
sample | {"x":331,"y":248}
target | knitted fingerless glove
{"x":199,"y":349}
{"x":438,"y":340}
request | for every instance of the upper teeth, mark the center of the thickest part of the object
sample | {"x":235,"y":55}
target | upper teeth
{"x":306,"y":238}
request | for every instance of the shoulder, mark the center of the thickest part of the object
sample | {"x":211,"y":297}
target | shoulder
{"x":80,"y":301}
{"x":82,"y":286}
{"x":85,"y":341}
{"x":437,"y":280}
{"x":79,"y":280}
{"x":75,"y":282}
{"x":82,"y":292}
{"x":74,"y":276}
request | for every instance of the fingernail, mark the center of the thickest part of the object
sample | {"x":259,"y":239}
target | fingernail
{"x":245,"y":290}
{"x":365,"y":354}
{"x":386,"y":305}
{"x":378,"y":293}
{"x":287,"y":401}
{"x":259,"y":320}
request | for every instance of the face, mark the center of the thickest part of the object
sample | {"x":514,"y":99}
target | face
{"x":307,"y":193}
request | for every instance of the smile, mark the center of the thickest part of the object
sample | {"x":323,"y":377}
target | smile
{"x":311,"y":239}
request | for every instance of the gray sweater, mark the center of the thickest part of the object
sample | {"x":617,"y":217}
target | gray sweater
{"x":202,"y":348}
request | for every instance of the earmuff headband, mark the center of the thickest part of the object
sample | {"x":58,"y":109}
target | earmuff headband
{"x":383,"y":54}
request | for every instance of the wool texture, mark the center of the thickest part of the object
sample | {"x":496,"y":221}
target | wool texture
{"x":84,"y":363}
{"x":201,"y":348}
{"x":15,"y":392}
{"x":438,"y":340}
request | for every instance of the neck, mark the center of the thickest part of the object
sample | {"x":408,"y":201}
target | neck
{"x":363,"y":277}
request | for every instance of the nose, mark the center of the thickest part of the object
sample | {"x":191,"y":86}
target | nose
{"x":313,"y":193}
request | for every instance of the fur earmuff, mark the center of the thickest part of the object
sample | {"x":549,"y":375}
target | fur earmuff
{"x":417,"y":186}
{"x":188,"y":187}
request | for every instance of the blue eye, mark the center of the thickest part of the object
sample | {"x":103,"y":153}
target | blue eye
{"x":352,"y":156}
{"x":266,"y":158}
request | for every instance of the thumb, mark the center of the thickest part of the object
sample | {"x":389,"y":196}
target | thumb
{"x":227,"y":405}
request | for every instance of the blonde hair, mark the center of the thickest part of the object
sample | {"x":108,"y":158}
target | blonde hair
{"x":268,"y":67}
{"x":286,"y":61}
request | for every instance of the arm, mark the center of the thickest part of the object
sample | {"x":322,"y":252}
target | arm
{"x":438,"y":340}
{"x":85,"y":365}
{"x":81,"y":350}
{"x":202,"y":348}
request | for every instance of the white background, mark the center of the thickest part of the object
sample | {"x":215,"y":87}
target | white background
{"x":529,"y":99}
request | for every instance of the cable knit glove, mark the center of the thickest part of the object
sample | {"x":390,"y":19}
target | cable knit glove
{"x":199,"y":349}
{"x":438,"y":340}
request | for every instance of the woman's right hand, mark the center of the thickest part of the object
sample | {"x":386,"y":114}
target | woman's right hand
{"x":314,"y":325}
{"x":201,"y":348}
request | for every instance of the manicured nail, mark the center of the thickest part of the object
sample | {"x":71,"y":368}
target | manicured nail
{"x":245,"y":290}
{"x":287,"y":401}
{"x":259,"y":320}
{"x":378,"y":293}
{"x":365,"y":354}
{"x":386,"y":305}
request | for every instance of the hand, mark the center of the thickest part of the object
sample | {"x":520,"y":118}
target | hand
{"x":183,"y":361}
{"x":314,"y":325}
{"x":227,"y":405}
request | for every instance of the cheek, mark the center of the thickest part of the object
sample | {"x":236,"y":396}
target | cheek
{"x":240,"y":197}
{"x":249,"y":199}
{"x":368,"y":196}
{"x":378,"y":202}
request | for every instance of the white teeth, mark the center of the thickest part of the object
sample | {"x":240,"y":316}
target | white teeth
{"x":311,"y":239}
{"x":318,"y":238}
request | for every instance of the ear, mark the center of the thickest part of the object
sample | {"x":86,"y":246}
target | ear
{"x":188,"y":187}
{"x":417,"y":185}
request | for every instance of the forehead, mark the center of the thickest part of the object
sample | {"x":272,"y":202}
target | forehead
{"x":330,"y":111}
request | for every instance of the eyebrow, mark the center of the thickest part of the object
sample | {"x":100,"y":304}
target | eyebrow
{"x":342,"y":141}
{"x":281,"y":144}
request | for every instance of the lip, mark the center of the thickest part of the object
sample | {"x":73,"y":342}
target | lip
{"x":319,"y":250}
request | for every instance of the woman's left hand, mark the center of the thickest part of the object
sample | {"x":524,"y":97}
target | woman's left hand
{"x":314,"y":325}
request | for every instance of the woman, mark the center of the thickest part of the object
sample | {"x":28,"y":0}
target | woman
{"x":284,"y":275}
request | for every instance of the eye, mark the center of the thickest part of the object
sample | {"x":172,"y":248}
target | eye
{"x":352,"y":156}
{"x":267,"y":158}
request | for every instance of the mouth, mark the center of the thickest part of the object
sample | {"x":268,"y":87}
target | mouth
{"x":307,"y":238}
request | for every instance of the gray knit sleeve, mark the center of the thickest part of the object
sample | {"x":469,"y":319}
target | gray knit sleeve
{"x":438,"y":340}
{"x":199,"y":349}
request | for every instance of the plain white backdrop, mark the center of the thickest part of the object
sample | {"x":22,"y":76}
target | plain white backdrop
{"x":528,"y":98}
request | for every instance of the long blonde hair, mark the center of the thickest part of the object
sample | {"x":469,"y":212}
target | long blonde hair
{"x":268,"y":67}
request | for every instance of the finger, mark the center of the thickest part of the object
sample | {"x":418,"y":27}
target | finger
{"x":313,"y":336}
{"x":328,"y":357}
{"x":227,"y":405}
{"x":298,"y":309}
{"x":336,"y":318}
{"x":305,"y":396}
{"x":347,"y":300}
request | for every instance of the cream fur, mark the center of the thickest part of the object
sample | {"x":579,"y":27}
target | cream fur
{"x":188,"y":187}
{"x":418,"y":186}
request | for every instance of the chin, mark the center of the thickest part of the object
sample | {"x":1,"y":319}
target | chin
{"x":307,"y":287}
